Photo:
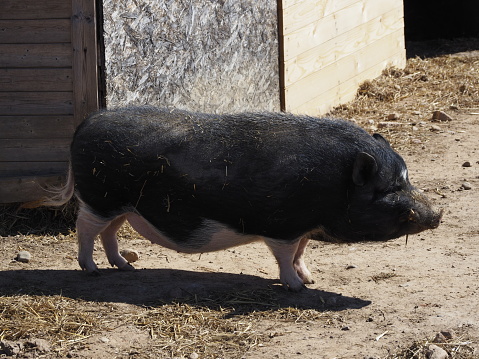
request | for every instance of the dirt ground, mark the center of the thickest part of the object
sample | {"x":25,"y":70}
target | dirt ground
{"x":369,"y":300}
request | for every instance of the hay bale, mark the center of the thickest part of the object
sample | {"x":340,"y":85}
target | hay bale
{"x":201,"y":55}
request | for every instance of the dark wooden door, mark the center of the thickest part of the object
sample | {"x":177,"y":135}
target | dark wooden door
{"x":48,"y":83}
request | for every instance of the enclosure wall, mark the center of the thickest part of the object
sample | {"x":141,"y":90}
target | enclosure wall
{"x":48,"y":83}
{"x":331,"y":46}
{"x":200,"y":55}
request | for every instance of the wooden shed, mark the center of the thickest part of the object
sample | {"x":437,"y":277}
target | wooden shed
{"x":302,"y":56}
{"x":48,"y":82}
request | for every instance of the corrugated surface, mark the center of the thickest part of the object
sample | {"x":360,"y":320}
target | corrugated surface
{"x":201,"y":55}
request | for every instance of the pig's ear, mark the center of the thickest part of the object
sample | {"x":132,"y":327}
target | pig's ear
{"x":381,"y":139}
{"x":364,"y":168}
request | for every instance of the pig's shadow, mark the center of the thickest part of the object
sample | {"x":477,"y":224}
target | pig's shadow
{"x":244,"y":293}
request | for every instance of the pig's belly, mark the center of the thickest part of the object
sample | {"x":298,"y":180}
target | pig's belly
{"x":212,"y":236}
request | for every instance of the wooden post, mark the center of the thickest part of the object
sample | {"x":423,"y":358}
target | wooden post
{"x":85,"y":68}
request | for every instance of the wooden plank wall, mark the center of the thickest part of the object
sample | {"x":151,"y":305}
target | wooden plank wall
{"x":331,"y":46}
{"x":42,"y":95}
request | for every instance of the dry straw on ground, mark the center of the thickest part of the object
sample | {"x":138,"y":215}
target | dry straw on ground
{"x":456,"y":348}
{"x":55,"y":318}
{"x":222,"y":324}
{"x":447,"y":83}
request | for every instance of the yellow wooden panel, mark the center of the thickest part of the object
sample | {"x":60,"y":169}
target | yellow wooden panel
{"x":284,"y":4}
{"x":346,"y":91}
{"x":328,"y":27}
{"x":321,"y":81}
{"x":347,"y":43}
{"x":301,"y":14}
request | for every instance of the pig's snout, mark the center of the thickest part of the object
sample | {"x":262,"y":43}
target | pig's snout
{"x":423,"y":216}
{"x":430,"y":221}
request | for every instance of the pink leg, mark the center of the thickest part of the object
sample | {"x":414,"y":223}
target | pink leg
{"x":285,"y":254}
{"x":88,"y":227}
{"x":298,"y":262}
{"x":110,"y":244}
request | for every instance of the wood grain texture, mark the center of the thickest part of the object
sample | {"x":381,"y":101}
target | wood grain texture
{"x":302,"y":13}
{"x":36,"y":103}
{"x":35,"y":31}
{"x":330,"y":46}
{"x":331,"y":26}
{"x":85,"y":68}
{"x":35,"y":55}
{"x":346,"y":91}
{"x":342,"y":70}
{"x":41,"y":150}
{"x":48,"y":84}
{"x":28,"y":188}
{"x":36,"y":127}
{"x":36,"y":79}
{"x":25,"y":169}
{"x":342,"y":45}
{"x":34,"y":9}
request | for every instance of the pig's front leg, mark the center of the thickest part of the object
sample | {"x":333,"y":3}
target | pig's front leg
{"x":285,"y":254}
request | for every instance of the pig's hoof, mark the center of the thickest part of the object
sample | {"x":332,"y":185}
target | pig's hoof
{"x":297,"y":289}
{"x":308,"y":281}
{"x":94,"y":273}
{"x":296,"y":286}
{"x":126,"y":267}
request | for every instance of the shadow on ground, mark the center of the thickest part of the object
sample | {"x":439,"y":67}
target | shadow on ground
{"x":147,"y":287}
{"x":439,"y":47}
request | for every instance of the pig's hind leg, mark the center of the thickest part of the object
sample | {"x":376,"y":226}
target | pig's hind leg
{"x":298,"y":262}
{"x":89,"y":226}
{"x":110,"y":244}
{"x":289,"y":261}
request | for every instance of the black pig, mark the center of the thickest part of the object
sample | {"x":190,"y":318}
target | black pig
{"x":198,"y":182}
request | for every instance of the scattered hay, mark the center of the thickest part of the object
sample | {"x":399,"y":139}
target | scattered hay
{"x":223,"y":324}
{"x":55,"y":318}
{"x":37,"y":221}
{"x":383,"y":276}
{"x":446,"y":83}
{"x":181,"y":329}
{"x":457,"y":348}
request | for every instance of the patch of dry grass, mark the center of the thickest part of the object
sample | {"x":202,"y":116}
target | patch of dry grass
{"x":220,"y":325}
{"x":456,"y":348}
{"x":446,"y":83}
{"x":37,"y":221}
{"x":383,"y":276}
{"x":56,"y":318}
{"x":223,"y":324}
{"x":435,"y":84}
